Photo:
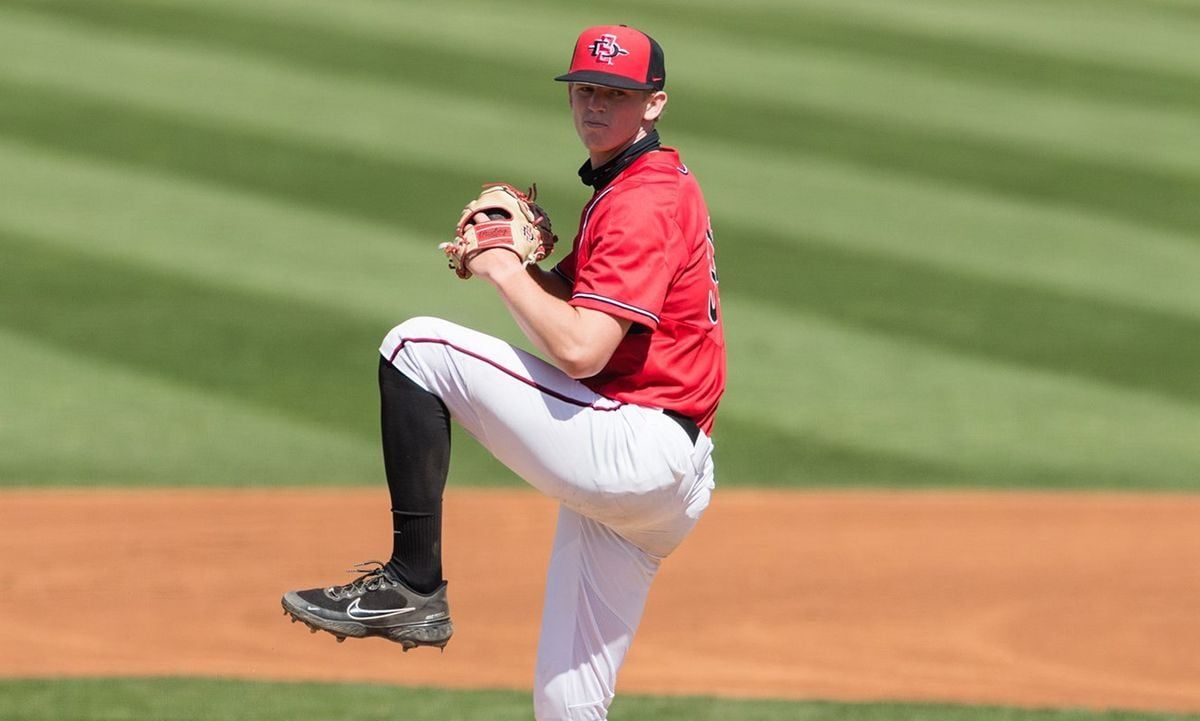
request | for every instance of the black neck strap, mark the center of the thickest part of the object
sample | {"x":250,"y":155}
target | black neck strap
{"x":602,"y":176}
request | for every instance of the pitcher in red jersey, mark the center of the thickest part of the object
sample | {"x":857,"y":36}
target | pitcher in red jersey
{"x":614,"y":420}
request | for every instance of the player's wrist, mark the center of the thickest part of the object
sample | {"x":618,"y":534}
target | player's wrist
{"x":496,"y":267}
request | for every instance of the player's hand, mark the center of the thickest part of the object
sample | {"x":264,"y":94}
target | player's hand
{"x":493,"y":266}
{"x":484,"y":263}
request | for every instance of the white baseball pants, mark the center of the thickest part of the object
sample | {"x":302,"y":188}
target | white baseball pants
{"x":630,"y":482}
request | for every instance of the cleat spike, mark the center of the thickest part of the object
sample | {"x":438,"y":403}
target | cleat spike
{"x":341,"y":639}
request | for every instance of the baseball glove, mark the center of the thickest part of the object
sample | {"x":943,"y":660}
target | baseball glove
{"x":515,"y":223}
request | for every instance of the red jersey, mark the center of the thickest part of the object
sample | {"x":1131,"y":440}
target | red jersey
{"x":645,"y":253}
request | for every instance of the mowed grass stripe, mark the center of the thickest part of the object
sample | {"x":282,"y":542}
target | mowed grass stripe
{"x":84,"y":420}
{"x":184,"y":699}
{"x":1181,"y":9}
{"x":1034,"y":327}
{"x":306,"y":45}
{"x":1040,"y":177}
{"x":958,"y":229}
{"x":842,"y":390}
{"x":1136,"y":348}
{"x":1156,"y":199}
{"x":1088,"y":29}
{"x":346,"y":181}
{"x":292,"y":357}
{"x":362,"y":117}
{"x":760,"y":453}
{"x":1069,"y":29}
{"x":296,"y":357}
{"x":212,"y":234}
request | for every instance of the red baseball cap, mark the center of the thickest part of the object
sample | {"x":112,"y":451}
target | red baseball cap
{"x":617,"y":56}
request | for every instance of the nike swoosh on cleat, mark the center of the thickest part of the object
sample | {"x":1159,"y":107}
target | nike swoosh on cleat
{"x":354,"y":611}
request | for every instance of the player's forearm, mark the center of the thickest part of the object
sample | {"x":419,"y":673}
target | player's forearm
{"x":551,"y":282}
{"x":558,"y":329}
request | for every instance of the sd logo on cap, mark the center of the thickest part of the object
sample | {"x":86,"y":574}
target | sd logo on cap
{"x":617,"y":56}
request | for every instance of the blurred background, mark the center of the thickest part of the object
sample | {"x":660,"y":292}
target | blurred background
{"x":959,"y":242}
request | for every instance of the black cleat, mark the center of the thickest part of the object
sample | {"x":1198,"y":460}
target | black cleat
{"x":375,"y":604}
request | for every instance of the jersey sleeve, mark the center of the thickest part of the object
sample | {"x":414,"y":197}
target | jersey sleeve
{"x":628,"y":266}
{"x":565,"y":268}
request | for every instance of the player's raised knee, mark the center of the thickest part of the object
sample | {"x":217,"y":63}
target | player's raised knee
{"x":414,"y":328}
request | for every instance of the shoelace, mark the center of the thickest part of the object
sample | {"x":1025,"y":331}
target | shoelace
{"x":369,"y":579}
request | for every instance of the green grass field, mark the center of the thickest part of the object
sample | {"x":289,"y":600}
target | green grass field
{"x":202,"y":700}
{"x":959,"y":245}
{"x":959,"y":241}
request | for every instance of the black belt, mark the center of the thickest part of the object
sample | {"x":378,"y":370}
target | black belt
{"x":687,"y":424}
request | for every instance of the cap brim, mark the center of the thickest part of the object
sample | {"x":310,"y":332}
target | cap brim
{"x":609,"y":80}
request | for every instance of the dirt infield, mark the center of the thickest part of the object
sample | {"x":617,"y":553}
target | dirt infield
{"x":1022,"y":599}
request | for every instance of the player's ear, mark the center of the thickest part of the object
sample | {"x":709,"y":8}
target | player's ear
{"x":655,"y":103}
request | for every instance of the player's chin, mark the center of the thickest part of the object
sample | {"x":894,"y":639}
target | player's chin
{"x":593,"y":138}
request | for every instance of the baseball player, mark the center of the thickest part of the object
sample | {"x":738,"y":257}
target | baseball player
{"x":614,"y":423}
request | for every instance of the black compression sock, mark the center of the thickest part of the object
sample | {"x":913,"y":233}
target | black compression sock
{"x":415,"y":428}
{"x":417,"y":549}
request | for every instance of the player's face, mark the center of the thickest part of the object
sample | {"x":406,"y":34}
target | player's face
{"x":608,"y":119}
